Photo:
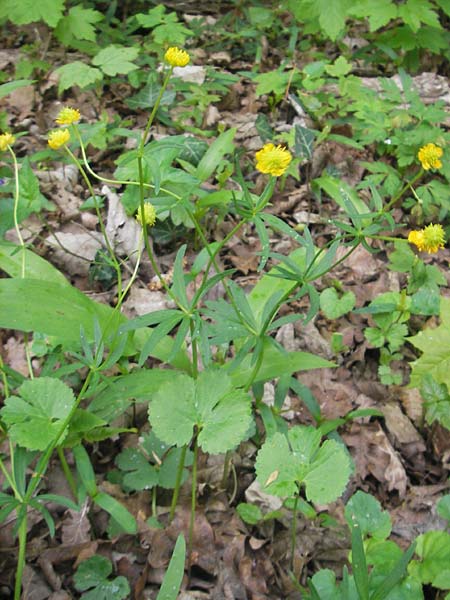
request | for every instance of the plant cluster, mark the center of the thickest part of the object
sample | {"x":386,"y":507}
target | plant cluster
{"x":200,"y":365}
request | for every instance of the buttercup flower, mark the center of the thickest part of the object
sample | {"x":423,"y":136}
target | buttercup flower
{"x":177,"y":57}
{"x":58,"y":138}
{"x":273,"y":160}
{"x":68,"y":115}
{"x":430,"y":239}
{"x":6,"y":139}
{"x":429,"y":156}
{"x":149,"y":215}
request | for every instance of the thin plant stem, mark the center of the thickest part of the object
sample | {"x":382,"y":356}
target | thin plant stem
{"x":399,"y":194}
{"x":154,"y":513}
{"x":4,"y":378}
{"x":21,"y":557}
{"x":194,"y":351}
{"x":293,"y":531}
{"x":16,"y":208}
{"x":114,"y":181}
{"x":193,"y":503}
{"x":22,"y":247}
{"x":67,"y":471}
{"x":99,"y":216}
{"x":176,"y":490}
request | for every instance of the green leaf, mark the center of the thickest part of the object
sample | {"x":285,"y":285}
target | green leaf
{"x":416,"y":12}
{"x":378,"y":13}
{"x":274,"y":82}
{"x":402,"y":259}
{"x":221,"y":413}
{"x":284,"y":463}
{"x":85,"y":469}
{"x":113,"y":60}
{"x":28,"y":11}
{"x":340,"y":67}
{"x":34,"y":419}
{"x":10,"y":86}
{"x":249,"y":513}
{"x":210,"y":161}
{"x":77,"y":74}
{"x":26,"y":304}
{"x":147,"y":96}
{"x":433,"y":548}
{"x":367,"y":512}
{"x":94,"y":573}
{"x":304,"y":141}
{"x":334,"y":307}
{"x":443,"y":507}
{"x":276,"y":363}
{"x":35,"y":266}
{"x":437,"y":401}
{"x":117,"y":511}
{"x":174,"y":575}
{"x":263,"y":128}
{"x":435,"y":348}
{"x":78,"y":24}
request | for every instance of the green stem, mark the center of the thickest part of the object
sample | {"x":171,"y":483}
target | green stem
{"x":99,"y":216}
{"x":293,"y":532}
{"x":114,"y":181}
{"x":194,"y":351}
{"x":407,"y":185}
{"x":44,"y":460}
{"x":154,"y":110}
{"x":16,"y":208}
{"x":21,"y":557}
{"x":193,"y":503}
{"x":176,"y":490}
{"x":154,"y":514}
{"x":67,"y":472}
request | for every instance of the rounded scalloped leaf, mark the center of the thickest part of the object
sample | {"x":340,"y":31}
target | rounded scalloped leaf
{"x":221,"y":413}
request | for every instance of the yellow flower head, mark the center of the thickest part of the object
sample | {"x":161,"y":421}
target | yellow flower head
{"x":6,"y":139}
{"x":68,"y":115}
{"x":273,"y":160}
{"x":58,"y":138}
{"x":177,"y":57}
{"x":149,"y":215}
{"x":430,"y":239}
{"x":429,"y":156}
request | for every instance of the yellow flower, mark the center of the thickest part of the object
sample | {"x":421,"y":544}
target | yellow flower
{"x":58,"y":138}
{"x":177,"y":57}
{"x":6,"y":139}
{"x":430,"y":239}
{"x":68,"y":115}
{"x":149,"y":215}
{"x":273,"y":159}
{"x":429,"y":156}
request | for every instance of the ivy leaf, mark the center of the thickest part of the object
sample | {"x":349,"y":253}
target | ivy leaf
{"x":113,"y":60}
{"x":78,"y":24}
{"x":34,"y":419}
{"x":284,"y":463}
{"x":221,"y":413}
{"x":30,"y":11}
{"x":94,"y":573}
{"x":77,"y":73}
{"x":334,"y":307}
